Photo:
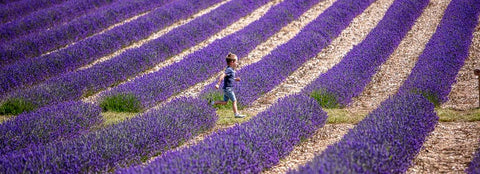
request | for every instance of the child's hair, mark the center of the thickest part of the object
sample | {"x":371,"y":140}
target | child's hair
{"x":231,"y":58}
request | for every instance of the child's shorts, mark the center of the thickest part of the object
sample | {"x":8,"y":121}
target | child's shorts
{"x":228,"y":94}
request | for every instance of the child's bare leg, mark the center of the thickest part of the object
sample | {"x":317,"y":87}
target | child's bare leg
{"x":220,"y":103}
{"x":235,"y":107}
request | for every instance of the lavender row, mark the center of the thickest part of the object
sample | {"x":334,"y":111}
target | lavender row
{"x":58,"y":122}
{"x":18,"y":9}
{"x":49,"y":17}
{"x":155,"y":87}
{"x":385,"y":141}
{"x":246,"y":148}
{"x":474,"y":166}
{"x":120,"y":145}
{"x":445,"y":53}
{"x":35,"y":44}
{"x":73,"y":85}
{"x":262,"y":76}
{"x":348,"y":78}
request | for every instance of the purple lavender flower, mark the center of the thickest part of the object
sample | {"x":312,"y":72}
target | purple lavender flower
{"x":58,"y":122}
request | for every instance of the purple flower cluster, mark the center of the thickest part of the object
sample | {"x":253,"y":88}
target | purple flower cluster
{"x":384,"y":142}
{"x":445,"y":53}
{"x":120,"y":145}
{"x":63,"y":121}
{"x":474,"y":166}
{"x":35,"y":44}
{"x":249,"y":147}
{"x":13,"y":10}
{"x":49,"y":17}
{"x":202,"y":64}
{"x":32,"y":71}
{"x":348,"y":78}
{"x":73,"y":85}
{"x":262,"y":76}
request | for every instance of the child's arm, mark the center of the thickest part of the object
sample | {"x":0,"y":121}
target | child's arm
{"x":220,"y":80}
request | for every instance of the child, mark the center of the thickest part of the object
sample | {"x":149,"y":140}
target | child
{"x":228,"y":78}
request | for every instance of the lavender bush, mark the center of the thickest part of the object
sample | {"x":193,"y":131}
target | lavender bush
{"x":246,"y":148}
{"x":474,"y":166}
{"x":73,"y":85}
{"x":35,"y":44}
{"x":263,"y":76}
{"x":47,"y":124}
{"x":445,"y":53}
{"x":13,"y":10}
{"x":119,"y":145}
{"x":155,"y":87}
{"x":385,"y":141}
{"x":49,"y":17}
{"x":348,"y":78}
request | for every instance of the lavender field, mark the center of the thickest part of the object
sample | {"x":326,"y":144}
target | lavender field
{"x":328,"y":86}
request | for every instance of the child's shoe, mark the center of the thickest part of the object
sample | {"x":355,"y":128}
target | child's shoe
{"x":239,"y":116}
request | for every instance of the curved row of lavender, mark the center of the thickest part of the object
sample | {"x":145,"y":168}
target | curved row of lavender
{"x":246,"y":148}
{"x":200,"y":65}
{"x":263,"y":76}
{"x":57,"y":122}
{"x":474,"y":166}
{"x":127,"y":143}
{"x":36,"y":44}
{"x":49,"y":17}
{"x":388,"y":139}
{"x":36,"y":70}
{"x":349,"y":77}
{"x":74,"y":85}
{"x":14,"y":10}
{"x":444,"y":55}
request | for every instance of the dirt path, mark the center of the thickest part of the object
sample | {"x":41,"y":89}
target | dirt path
{"x":448,"y":149}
